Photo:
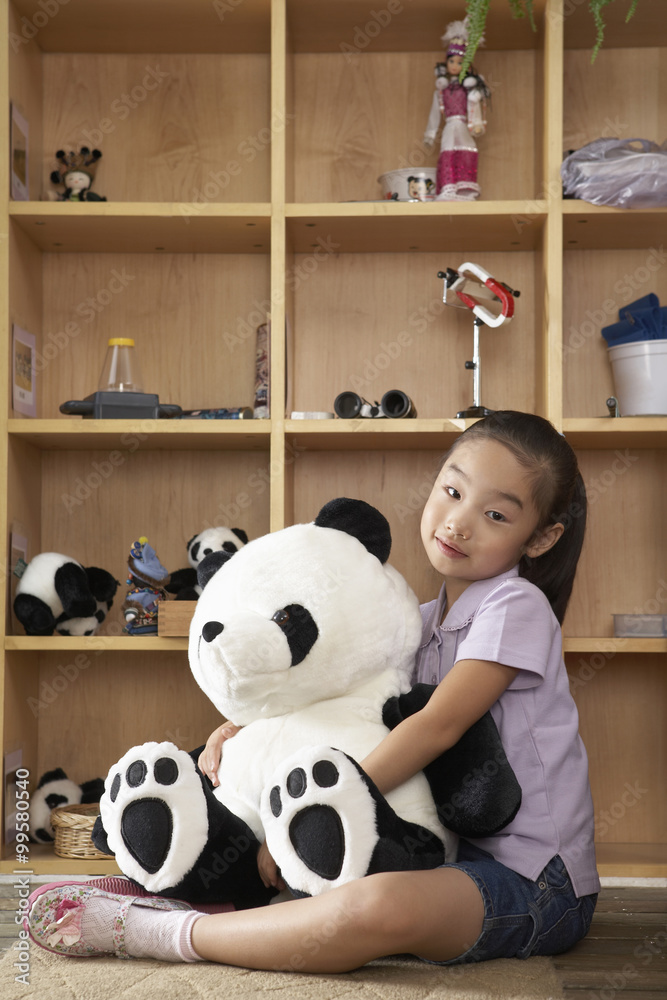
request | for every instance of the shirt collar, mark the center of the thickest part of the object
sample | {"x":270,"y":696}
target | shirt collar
{"x":464,"y":609}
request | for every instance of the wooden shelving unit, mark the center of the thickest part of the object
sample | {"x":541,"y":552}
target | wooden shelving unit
{"x":241,"y":149}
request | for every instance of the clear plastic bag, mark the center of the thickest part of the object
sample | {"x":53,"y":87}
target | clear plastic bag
{"x":626,"y":173}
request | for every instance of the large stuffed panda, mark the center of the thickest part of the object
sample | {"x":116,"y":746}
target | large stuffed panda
{"x":306,"y":638}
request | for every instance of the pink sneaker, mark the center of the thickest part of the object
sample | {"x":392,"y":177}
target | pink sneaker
{"x":55,"y":909}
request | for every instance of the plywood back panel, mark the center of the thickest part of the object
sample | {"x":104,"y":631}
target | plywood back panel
{"x":170,"y":127}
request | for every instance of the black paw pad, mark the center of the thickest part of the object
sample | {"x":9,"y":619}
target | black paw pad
{"x":136,"y":774}
{"x":296,"y":783}
{"x":275,"y":801}
{"x":325,"y":773}
{"x":318,"y":838}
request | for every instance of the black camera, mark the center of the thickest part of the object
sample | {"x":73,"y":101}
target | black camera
{"x":393,"y":404}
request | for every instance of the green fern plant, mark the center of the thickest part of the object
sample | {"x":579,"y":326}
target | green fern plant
{"x":477,"y":11}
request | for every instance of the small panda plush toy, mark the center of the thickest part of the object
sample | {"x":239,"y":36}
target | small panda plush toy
{"x":56,"y":789}
{"x":57,"y":594}
{"x":183,"y":582}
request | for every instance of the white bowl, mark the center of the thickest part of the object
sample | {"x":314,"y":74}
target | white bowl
{"x":408,"y":184}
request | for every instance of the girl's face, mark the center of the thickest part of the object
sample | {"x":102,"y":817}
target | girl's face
{"x":480,"y":517}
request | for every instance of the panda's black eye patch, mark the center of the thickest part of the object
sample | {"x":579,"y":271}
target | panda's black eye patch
{"x":300,"y":630}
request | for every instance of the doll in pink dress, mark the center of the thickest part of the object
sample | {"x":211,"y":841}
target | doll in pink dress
{"x":463,"y":106}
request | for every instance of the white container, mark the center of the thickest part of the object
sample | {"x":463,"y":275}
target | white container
{"x":640,"y":377}
{"x":642,"y":626}
{"x":408,"y":184}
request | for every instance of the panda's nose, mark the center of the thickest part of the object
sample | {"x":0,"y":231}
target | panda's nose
{"x":211,"y":629}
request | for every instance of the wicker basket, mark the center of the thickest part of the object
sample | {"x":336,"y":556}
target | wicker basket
{"x":73,"y":826}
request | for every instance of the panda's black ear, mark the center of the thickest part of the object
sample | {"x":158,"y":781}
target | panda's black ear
{"x":209,"y":565}
{"x":359,"y":519}
{"x":240,"y":533}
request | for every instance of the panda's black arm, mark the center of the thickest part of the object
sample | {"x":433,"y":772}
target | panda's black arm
{"x":72,"y":588}
{"x":35,"y":616}
{"x":473,"y":785}
{"x":102,"y":584}
{"x":180,"y":579}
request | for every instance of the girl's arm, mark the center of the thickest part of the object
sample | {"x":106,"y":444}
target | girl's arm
{"x":470,"y":688}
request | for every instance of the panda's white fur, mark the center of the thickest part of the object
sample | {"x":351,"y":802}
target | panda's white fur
{"x":40,"y":576}
{"x":211,"y":540}
{"x":369,"y":628}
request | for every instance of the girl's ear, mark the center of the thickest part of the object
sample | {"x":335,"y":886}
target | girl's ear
{"x":544,"y":540}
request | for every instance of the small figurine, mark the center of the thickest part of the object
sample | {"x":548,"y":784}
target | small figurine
{"x":77,"y":173}
{"x":147,"y":580}
{"x":463,"y":106}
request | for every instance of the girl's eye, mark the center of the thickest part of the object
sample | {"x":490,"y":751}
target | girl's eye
{"x":454,"y":493}
{"x":495,"y":515}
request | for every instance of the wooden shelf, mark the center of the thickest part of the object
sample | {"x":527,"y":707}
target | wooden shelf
{"x":95,"y":643}
{"x":140,"y":227}
{"x":601,"y":227}
{"x":632,"y":860}
{"x":613,"y":644}
{"x":363,"y":434}
{"x":42,"y":860}
{"x":78,"y":434}
{"x":616,"y":432}
{"x":397,"y":227}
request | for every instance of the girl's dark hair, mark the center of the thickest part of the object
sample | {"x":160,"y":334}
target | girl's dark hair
{"x":558,"y":493}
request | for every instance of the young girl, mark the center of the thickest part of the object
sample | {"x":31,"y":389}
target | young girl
{"x":504,"y":525}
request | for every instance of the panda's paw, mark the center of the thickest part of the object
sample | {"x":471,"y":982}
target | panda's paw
{"x":319,"y":816}
{"x":154,"y":813}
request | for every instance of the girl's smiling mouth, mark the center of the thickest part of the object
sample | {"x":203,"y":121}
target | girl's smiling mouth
{"x":450,"y":550}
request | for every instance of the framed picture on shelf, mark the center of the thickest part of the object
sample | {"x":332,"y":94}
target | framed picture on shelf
{"x":19,"y":157}
{"x":24,"y":397}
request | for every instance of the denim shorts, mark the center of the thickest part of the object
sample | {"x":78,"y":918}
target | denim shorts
{"x":523,"y":918}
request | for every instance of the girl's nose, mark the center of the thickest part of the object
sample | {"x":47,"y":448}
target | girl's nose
{"x":457,"y":530}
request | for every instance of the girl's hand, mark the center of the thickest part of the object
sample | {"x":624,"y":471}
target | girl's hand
{"x":268,"y":869}
{"x":211,"y":755}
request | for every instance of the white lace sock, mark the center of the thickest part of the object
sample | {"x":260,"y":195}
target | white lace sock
{"x":149,"y":933}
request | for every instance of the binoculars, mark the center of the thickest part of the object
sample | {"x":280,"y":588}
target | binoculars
{"x":394,"y":404}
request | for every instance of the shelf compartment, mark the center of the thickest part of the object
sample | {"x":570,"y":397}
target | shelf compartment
{"x":398,"y":227}
{"x":77,"y":434}
{"x":137,"y":227}
{"x":199,"y":26}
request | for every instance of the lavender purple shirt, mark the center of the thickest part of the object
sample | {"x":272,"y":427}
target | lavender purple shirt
{"x":508,"y":620}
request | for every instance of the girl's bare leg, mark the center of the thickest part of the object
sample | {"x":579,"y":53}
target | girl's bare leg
{"x":434,"y":914}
